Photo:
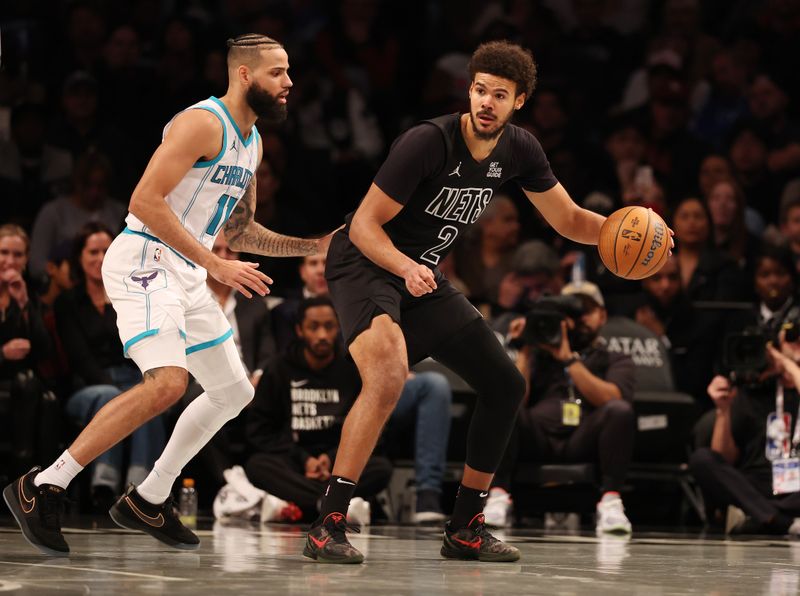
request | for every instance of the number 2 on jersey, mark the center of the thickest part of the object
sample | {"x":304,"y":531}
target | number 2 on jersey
{"x":225,"y":205}
{"x":447,"y":235}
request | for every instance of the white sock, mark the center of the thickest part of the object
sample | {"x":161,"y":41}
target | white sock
{"x":196,"y":425}
{"x":61,"y":473}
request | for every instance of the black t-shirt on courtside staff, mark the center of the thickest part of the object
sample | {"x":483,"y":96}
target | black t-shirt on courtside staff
{"x":443,"y":190}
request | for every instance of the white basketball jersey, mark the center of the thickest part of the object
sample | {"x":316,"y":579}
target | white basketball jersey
{"x":205,"y":197}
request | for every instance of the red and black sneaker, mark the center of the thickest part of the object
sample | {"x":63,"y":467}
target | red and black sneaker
{"x":327,"y":543}
{"x":476,"y":543}
{"x":37,"y":510}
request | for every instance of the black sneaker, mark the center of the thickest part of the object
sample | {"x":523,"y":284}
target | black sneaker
{"x":133,"y":512}
{"x":37,"y":510}
{"x":475,"y":543}
{"x":327,"y":543}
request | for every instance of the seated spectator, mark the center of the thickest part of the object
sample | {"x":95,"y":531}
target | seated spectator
{"x":80,"y":127}
{"x":535,"y":272}
{"x":284,"y":315}
{"x":775,"y":284}
{"x":425,"y":401}
{"x":705,"y":273}
{"x":251,"y":323}
{"x":59,"y":275}
{"x":626,"y":175}
{"x":692,"y":337}
{"x":249,"y":319}
{"x":87,"y":325}
{"x":577,"y":408}
{"x":55,"y":370}
{"x":60,"y":220}
{"x":300,"y":406}
{"x":716,"y":167}
{"x":790,"y":227}
{"x":31,"y":169}
{"x":748,"y":152}
{"x":672,"y":150}
{"x":24,"y":345}
{"x":296,"y":418}
{"x":483,"y":259}
{"x":622,"y":154}
{"x":725,"y":103}
{"x":735,"y":470}
{"x":726,"y":205}
{"x":713,"y":168}
{"x":769,"y":105}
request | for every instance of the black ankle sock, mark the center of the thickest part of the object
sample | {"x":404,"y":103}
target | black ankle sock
{"x":469,"y":503}
{"x":337,"y":496}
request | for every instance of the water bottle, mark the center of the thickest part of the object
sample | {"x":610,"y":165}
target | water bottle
{"x":579,"y":270}
{"x":187,"y":504}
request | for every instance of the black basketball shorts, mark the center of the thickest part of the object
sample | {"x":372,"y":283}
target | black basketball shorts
{"x":361,"y":290}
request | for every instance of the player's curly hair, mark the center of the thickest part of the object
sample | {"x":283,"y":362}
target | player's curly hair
{"x":507,"y":60}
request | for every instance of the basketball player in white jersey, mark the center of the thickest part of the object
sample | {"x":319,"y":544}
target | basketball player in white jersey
{"x":199,"y":182}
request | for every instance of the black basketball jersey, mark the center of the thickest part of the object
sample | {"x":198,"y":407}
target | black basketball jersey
{"x":443,"y":190}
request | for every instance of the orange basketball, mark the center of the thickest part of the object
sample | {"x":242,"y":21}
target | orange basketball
{"x":634,"y":242}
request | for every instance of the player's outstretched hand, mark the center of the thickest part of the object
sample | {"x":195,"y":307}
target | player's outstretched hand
{"x":419,"y":280}
{"x":240,"y":275}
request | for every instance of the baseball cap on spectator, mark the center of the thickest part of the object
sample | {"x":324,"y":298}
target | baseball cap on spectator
{"x":584,"y":288}
{"x":533,"y":257}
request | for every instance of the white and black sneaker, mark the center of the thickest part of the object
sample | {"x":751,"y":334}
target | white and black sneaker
{"x":611,"y":518}
{"x":133,"y":512}
{"x":37,"y":510}
{"x":498,"y":509}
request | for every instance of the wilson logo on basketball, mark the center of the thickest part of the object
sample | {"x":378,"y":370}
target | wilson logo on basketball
{"x":632,"y":235}
{"x":658,"y":241}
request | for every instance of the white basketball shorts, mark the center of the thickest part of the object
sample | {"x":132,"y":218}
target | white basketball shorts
{"x":165,"y":312}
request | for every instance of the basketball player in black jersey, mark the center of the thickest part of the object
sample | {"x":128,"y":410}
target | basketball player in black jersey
{"x":396,"y":307}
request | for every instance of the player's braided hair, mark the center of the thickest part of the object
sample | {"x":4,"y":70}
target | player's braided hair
{"x":246,"y":49}
{"x":506,"y":60}
{"x":252,"y":40}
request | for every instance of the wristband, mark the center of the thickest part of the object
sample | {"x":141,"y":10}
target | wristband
{"x":572,"y":360}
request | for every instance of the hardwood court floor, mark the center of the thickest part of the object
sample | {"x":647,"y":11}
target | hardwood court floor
{"x":254,"y":559}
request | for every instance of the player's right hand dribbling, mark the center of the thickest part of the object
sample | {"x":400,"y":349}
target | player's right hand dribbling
{"x":419,"y":280}
{"x":240,"y":275}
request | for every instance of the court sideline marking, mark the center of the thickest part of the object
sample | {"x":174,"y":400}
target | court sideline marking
{"x":96,"y":570}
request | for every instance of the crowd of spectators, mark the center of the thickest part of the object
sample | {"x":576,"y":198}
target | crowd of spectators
{"x":687,"y":107}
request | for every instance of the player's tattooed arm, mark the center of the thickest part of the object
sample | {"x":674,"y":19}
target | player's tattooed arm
{"x":244,"y":234}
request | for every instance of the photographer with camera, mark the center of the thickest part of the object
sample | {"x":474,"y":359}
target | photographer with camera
{"x":577,"y":405}
{"x":745,"y":332}
{"x":752,"y":462}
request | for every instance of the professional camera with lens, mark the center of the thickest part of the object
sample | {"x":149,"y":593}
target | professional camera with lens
{"x":543,"y":321}
{"x":744,"y":354}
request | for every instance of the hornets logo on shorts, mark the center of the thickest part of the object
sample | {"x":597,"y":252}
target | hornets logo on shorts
{"x":145,"y":281}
